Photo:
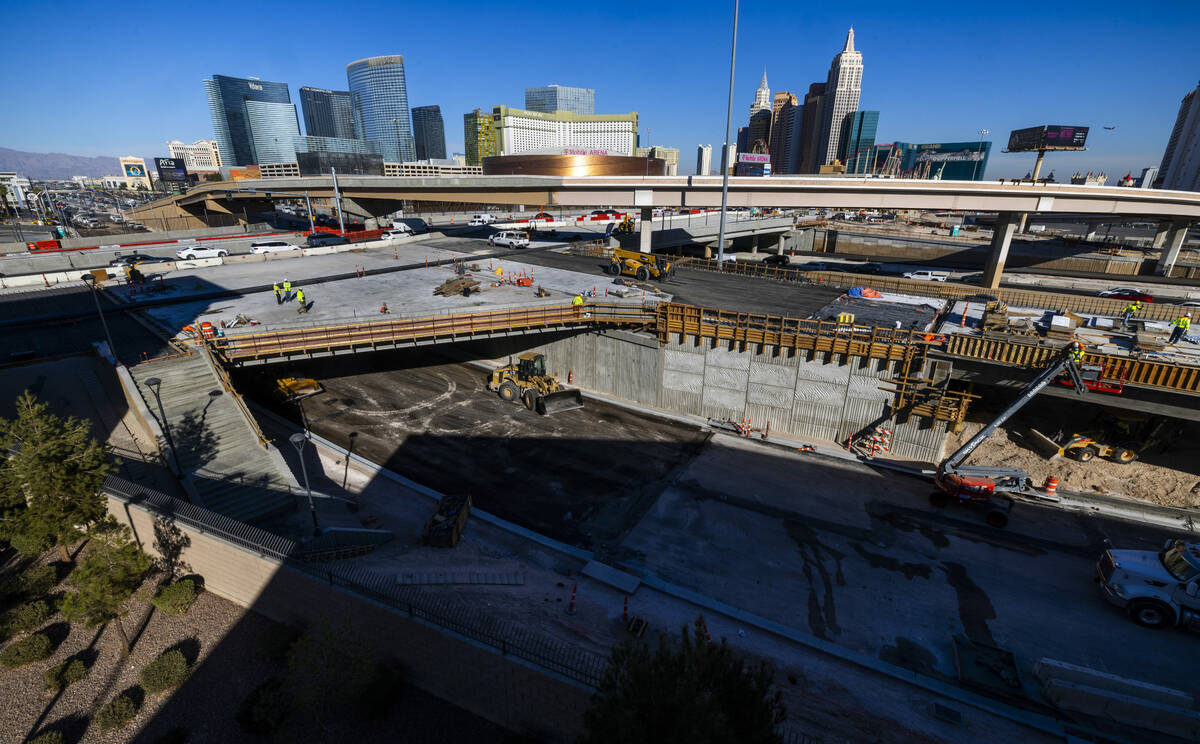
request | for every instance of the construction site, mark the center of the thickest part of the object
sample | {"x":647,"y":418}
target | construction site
{"x":545,"y":449}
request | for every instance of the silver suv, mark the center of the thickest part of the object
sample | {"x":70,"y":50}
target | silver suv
{"x":510,"y":238}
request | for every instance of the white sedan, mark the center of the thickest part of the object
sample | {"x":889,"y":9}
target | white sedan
{"x":273,"y":246}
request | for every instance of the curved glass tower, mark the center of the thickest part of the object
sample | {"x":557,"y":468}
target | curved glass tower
{"x":379,"y":96}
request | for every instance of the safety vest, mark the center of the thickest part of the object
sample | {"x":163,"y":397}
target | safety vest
{"x":577,"y":301}
{"x":300,"y":295}
{"x":287,"y":286}
{"x":1183,"y":323}
{"x":275,"y":287}
{"x":1133,"y":308}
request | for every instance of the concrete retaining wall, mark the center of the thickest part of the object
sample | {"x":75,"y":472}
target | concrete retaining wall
{"x":817,"y":396}
{"x":481,"y":680}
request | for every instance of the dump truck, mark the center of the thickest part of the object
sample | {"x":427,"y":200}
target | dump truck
{"x":1156,"y":590}
{"x":641,"y":266}
{"x":527,"y":381}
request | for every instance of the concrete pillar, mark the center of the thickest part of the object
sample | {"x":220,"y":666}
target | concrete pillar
{"x":646,"y":229}
{"x":1006,"y":225}
{"x":754,"y":243}
{"x":1171,"y":243}
{"x":708,"y":248}
{"x":779,"y":244}
{"x":1093,"y":230}
{"x":1160,"y":235}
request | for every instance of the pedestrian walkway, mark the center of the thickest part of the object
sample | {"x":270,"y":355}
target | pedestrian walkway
{"x":226,"y":465}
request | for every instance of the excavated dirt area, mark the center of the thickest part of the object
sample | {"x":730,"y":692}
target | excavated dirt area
{"x":1166,"y":474}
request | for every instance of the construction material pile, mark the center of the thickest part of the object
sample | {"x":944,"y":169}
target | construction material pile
{"x":445,"y":528}
{"x":459,"y":285}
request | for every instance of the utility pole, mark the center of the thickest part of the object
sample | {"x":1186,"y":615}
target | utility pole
{"x":337,"y":198}
{"x":725,"y":146}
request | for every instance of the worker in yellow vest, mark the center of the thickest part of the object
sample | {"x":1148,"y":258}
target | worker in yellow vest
{"x":303,"y":304}
{"x":1181,"y":325}
{"x":278,"y":293}
{"x":287,"y":290}
{"x":1130,"y":310}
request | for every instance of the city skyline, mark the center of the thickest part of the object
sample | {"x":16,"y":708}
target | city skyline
{"x":921,"y":97}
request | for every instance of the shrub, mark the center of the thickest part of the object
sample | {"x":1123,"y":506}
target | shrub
{"x":119,"y":711}
{"x":165,"y":673}
{"x":28,"y":617}
{"x":31,"y":582}
{"x":31,"y":648}
{"x":31,"y":546}
{"x":175,"y":598}
{"x":50,"y":737}
{"x":65,"y":673}
{"x":265,"y":709}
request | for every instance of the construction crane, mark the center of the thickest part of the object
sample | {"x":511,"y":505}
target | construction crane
{"x":987,"y":487}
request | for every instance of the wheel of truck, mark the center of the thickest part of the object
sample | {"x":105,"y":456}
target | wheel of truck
{"x":530,"y":397}
{"x":1124,"y":455}
{"x":508,"y":391}
{"x":643,"y":274}
{"x":1149,"y":613}
{"x":997,"y":518}
{"x":1083,"y":454}
{"x":940,"y":499}
{"x":614,"y":269}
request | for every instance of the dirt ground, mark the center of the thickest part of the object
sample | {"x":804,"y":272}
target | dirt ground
{"x":1168,"y":476}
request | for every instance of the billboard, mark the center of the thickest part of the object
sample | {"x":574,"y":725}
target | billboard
{"x":171,"y":170}
{"x":753,"y":157}
{"x":1026,"y":140}
{"x":134,"y":170}
{"x":1061,"y":137}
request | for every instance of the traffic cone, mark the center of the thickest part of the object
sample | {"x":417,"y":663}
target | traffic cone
{"x":1050,"y":487}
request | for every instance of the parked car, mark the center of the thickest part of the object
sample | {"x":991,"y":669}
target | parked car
{"x":272,"y":246}
{"x":481,"y":219}
{"x":542,"y":216}
{"x":927,"y":276}
{"x":133,"y":259}
{"x":194,"y":251}
{"x":398,"y":231}
{"x":319,"y":239}
{"x":777,"y":259}
{"x":1125,"y":293}
{"x":510,"y":238}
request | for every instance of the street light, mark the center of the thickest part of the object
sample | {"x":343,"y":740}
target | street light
{"x":155,"y":386}
{"x":725,"y":145}
{"x":298,"y":439}
{"x":975,"y":166}
{"x":90,"y":281}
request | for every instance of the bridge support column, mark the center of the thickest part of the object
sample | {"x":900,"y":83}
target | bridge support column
{"x":1006,"y":225}
{"x":779,"y":245}
{"x":1093,"y":231}
{"x":1172,"y":240}
{"x":1160,"y":235}
{"x":754,"y":244}
{"x":646,"y":229}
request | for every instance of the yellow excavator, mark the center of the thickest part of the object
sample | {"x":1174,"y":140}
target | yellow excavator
{"x":641,"y":266}
{"x":528,"y":382}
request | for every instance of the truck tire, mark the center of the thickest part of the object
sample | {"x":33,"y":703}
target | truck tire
{"x":1150,"y":613}
{"x":643,"y":274}
{"x":997,"y":518}
{"x":1124,"y":455}
{"x":530,"y":397}
{"x":1083,"y":454}
{"x":508,"y":391}
{"x":613,"y":269}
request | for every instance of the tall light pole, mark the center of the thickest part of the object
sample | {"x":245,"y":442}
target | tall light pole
{"x":90,"y":280}
{"x":975,"y":166}
{"x":298,"y":439}
{"x":155,"y":386}
{"x":725,"y":147}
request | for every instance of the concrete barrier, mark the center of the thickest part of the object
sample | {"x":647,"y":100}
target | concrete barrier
{"x":1049,"y":670}
{"x":1127,"y":709}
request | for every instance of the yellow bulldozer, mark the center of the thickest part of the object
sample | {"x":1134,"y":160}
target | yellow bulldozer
{"x":641,"y":266}
{"x":528,"y":382}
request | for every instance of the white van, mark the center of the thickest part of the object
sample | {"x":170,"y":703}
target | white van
{"x":481,"y":219}
{"x":928,"y":276}
{"x":272,"y":246}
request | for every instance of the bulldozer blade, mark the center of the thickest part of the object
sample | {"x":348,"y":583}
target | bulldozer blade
{"x":566,"y":400}
{"x":1043,"y":445}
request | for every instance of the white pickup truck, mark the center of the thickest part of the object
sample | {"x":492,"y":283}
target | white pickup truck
{"x":1156,"y":590}
{"x":195,"y":250}
{"x":928,"y":276}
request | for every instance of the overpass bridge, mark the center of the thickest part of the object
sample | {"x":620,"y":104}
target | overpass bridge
{"x":1172,"y":211}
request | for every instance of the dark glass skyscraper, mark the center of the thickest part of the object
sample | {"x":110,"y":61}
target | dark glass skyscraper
{"x":430,"y":132}
{"x":379,"y":96}
{"x":858,"y":135}
{"x":328,"y":113}
{"x":227,"y":98}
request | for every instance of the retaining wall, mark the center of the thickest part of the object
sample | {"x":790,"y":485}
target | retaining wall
{"x":472,"y":676}
{"x":807,"y":395}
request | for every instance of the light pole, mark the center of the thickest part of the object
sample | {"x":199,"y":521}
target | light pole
{"x":975,"y":165}
{"x":298,"y":439}
{"x":725,"y":146}
{"x":155,"y":386}
{"x":90,"y":281}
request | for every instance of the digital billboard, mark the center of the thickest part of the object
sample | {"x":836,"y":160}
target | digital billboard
{"x":1026,"y":140}
{"x":753,"y":157}
{"x":1061,"y":137}
{"x":134,"y":170}
{"x":171,"y":170}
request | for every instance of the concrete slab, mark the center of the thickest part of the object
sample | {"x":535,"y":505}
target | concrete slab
{"x":606,"y":574}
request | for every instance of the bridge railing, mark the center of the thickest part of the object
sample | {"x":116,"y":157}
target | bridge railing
{"x":276,"y":342}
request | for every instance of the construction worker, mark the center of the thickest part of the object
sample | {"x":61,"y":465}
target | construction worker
{"x":300,"y":298}
{"x":384,"y":308}
{"x":287,"y":289}
{"x":278,"y":293}
{"x":577,"y":301}
{"x":1180,"y":327}
{"x":1075,"y":352}
{"x":1130,"y":310}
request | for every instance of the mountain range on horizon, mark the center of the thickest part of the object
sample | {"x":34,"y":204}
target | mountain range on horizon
{"x":59,"y":166}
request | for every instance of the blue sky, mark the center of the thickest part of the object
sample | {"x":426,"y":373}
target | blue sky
{"x":111,"y":79}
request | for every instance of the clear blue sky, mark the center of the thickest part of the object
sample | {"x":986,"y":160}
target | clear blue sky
{"x":113,"y":79}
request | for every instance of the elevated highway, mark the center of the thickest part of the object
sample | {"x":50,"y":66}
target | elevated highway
{"x":1172,"y":211}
